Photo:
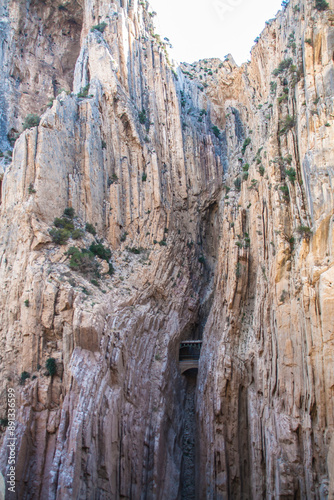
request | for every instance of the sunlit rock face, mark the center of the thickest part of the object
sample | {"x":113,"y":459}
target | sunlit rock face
{"x":212,"y":186}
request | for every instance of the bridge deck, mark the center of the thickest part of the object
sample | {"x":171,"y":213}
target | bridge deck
{"x":188,"y":365}
{"x":190,"y":351}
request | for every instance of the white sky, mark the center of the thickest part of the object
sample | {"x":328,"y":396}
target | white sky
{"x":212,"y":28}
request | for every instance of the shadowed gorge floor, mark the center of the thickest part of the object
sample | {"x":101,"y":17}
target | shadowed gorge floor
{"x":188,"y":474}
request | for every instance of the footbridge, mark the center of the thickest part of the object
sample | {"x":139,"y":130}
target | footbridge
{"x":190,"y":352}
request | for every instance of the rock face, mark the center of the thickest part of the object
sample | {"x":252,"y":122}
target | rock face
{"x":213,"y":188}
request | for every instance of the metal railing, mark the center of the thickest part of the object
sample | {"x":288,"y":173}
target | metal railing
{"x":190,"y":350}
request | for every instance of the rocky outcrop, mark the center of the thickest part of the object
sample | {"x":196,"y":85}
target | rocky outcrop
{"x":212,"y":186}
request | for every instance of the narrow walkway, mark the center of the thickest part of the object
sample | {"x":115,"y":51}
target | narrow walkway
{"x":190,"y":352}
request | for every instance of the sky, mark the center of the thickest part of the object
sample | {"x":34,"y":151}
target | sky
{"x":200,"y":29}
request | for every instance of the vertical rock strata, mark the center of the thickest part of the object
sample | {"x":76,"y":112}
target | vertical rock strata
{"x":213,"y":188}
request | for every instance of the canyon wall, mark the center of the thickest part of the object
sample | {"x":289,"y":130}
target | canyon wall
{"x":212,"y":185}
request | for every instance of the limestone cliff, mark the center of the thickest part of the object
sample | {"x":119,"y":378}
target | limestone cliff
{"x":212,"y":186}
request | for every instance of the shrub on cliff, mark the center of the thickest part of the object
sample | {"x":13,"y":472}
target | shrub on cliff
{"x":142,"y":117}
{"x":237,"y":184}
{"x":51,"y":366}
{"x":99,"y":27}
{"x":321,"y":5}
{"x":245,"y":145}
{"x":287,"y":125}
{"x":63,"y":223}
{"x":84,"y":92}
{"x":100,"y":251}
{"x":283,"y":65}
{"x":69,"y":212}
{"x":59,"y":236}
{"x":216,"y":131}
{"x":291,"y":173}
{"x":77,"y":234}
{"x":83,"y":261}
{"x":31,"y":121}
{"x":23,"y":377}
{"x":90,"y":229}
{"x":304,"y":231}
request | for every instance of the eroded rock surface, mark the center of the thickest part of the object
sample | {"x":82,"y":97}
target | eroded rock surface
{"x":213,"y":187}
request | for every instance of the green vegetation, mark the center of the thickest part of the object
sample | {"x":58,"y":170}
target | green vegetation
{"x":113,"y":179}
{"x":51,"y":366}
{"x":59,"y":236}
{"x":201,"y":259}
{"x":321,"y":5}
{"x":245,"y":145}
{"x":216,"y":131}
{"x":99,"y":27}
{"x":90,"y":229}
{"x":291,"y":173}
{"x":4,"y":422}
{"x":285,"y":191}
{"x":245,"y":168}
{"x":83,"y":261}
{"x":84,"y":91}
{"x":77,"y":234}
{"x":305,"y":231}
{"x":123,"y":237}
{"x":287,"y":125}
{"x":144,"y":177}
{"x":283,"y":65}
{"x":100,"y":251}
{"x":24,"y":376}
{"x":134,"y":250}
{"x":31,"y":189}
{"x":292,"y":243}
{"x":142,"y":117}
{"x":283,"y":98}
{"x":69,"y":212}
{"x":26,"y":303}
{"x":309,"y":41}
{"x":31,"y":121}
{"x":163,"y":243}
{"x":63,"y":223}
{"x":273,"y":87}
{"x":237,"y":184}
{"x":261,"y":170}
{"x":104,"y":145}
{"x":64,"y":228}
{"x":253,"y":184}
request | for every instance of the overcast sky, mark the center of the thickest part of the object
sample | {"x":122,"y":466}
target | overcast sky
{"x":212,"y":28}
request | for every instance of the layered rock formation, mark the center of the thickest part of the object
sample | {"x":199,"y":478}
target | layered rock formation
{"x":213,"y":187}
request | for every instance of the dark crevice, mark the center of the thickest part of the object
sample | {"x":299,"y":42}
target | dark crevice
{"x":188,"y":470}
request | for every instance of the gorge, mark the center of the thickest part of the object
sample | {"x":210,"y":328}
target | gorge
{"x":150,"y":205}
